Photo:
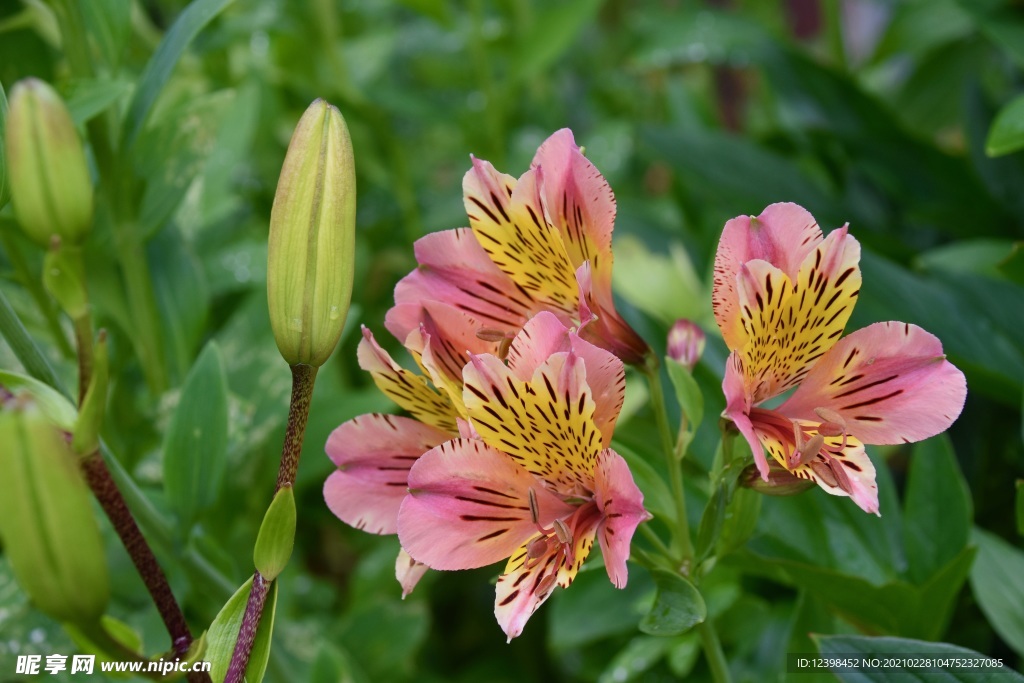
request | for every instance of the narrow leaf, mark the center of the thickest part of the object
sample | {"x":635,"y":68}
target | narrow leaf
{"x":191,"y":21}
{"x":223,"y":633}
{"x":997,"y":580}
{"x":677,"y":608}
{"x":1007,"y":132}
{"x":196,"y":442}
{"x":937,"y":509}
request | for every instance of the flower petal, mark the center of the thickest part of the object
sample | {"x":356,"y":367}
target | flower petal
{"x":602,"y":325}
{"x":456,"y":270}
{"x":546,"y":424}
{"x":737,"y":408}
{"x":782,"y":235}
{"x":468,"y":506}
{"x":860,"y":473}
{"x":791,"y":324}
{"x":518,"y":595}
{"x":545,"y":335}
{"x":889,"y":381}
{"x":410,"y":391}
{"x":526,"y":584}
{"x":578,"y":202}
{"x":622,"y":509}
{"x":374,"y":453}
{"x":519,"y":239}
{"x":408,"y":572}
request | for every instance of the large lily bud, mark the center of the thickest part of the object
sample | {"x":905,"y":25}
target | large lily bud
{"x":50,"y":186}
{"x":49,"y":533}
{"x":312,"y":238}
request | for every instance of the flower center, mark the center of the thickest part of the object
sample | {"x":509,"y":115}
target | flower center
{"x":559,"y":538}
{"x":804,"y":443}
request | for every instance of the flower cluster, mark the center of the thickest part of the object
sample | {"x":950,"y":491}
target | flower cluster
{"x":782,"y":296}
{"x":507,"y":455}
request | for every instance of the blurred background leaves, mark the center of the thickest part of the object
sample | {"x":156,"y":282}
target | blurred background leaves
{"x":902,"y":118}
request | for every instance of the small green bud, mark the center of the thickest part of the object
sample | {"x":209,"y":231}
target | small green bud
{"x":86,"y":437}
{"x":312,"y":238}
{"x":49,"y":533}
{"x":781,"y":482}
{"x":64,"y":278}
{"x":50,"y":185}
{"x":277,"y":535}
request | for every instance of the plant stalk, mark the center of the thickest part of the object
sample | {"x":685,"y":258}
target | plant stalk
{"x":675,"y":473}
{"x":713,"y":651}
{"x":303,"y":379}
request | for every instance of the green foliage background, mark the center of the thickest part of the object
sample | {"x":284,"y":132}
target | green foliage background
{"x":872,"y":113}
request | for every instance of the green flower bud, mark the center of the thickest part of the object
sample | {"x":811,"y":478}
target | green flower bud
{"x":312,"y":238}
{"x":49,"y":533}
{"x":277,"y":535}
{"x":50,"y":185}
{"x":781,"y":482}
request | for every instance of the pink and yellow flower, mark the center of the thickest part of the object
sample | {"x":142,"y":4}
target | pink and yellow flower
{"x":537,"y":482}
{"x":782,"y":296}
{"x":539,"y":243}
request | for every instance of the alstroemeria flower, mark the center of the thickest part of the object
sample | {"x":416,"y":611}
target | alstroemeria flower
{"x":782,"y":296}
{"x":540,"y":482}
{"x":540,"y":243}
{"x":374,"y":452}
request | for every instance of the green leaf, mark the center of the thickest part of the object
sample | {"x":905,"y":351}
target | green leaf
{"x":997,"y":580}
{"x":1007,"y":132}
{"x":740,"y":520}
{"x":5,"y":193}
{"x":223,"y":632}
{"x":195,"y":447}
{"x":1020,"y":507}
{"x":677,"y":608}
{"x":657,"y":497}
{"x":87,"y":99}
{"x":108,"y":23}
{"x":690,"y":398}
{"x":665,"y":286}
{"x":590,"y":610}
{"x":552,"y":33}
{"x":632,"y":661}
{"x":711,"y":522}
{"x":936,"y":508}
{"x":837,"y":647}
{"x":188,"y":24}
{"x":276,"y":538}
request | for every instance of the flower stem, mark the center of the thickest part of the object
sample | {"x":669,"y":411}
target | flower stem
{"x":113,"y":504}
{"x":303,"y":379}
{"x":713,"y":651}
{"x":668,"y":447}
{"x":83,"y":340}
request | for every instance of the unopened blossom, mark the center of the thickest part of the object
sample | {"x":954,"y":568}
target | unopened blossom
{"x":685,"y":343}
{"x":782,"y":296}
{"x":539,"y":243}
{"x":538,"y":482}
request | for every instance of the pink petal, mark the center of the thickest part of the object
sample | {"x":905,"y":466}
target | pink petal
{"x":737,"y":408}
{"x":602,"y":325}
{"x":409,"y":390}
{"x":374,"y":453}
{"x":546,"y":425}
{"x":859,"y":470}
{"x":578,"y":202}
{"x":517,"y":595}
{"x":468,"y":506}
{"x":454,"y":333}
{"x":545,"y":335}
{"x":523,"y":244}
{"x":408,"y":572}
{"x":782,"y":235}
{"x":454,"y":269}
{"x":622,"y":508}
{"x":889,"y":381}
